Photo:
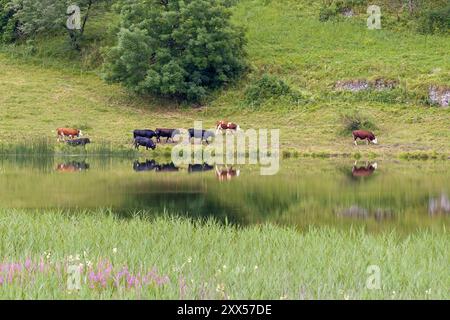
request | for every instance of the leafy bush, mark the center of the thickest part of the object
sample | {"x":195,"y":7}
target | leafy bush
{"x":176,"y":49}
{"x":354,"y":120}
{"x":436,"y":21}
{"x":269,"y":87}
{"x":8,"y":23}
{"x":331,"y":9}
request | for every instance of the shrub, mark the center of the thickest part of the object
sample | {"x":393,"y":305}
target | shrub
{"x":8,"y":23}
{"x":269,"y":87}
{"x":436,"y":21}
{"x":333,"y":8}
{"x":354,"y":120}
{"x":176,"y":49}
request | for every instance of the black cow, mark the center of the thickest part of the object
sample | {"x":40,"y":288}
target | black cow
{"x":199,"y":167}
{"x":78,"y":142}
{"x":166,"y":133}
{"x":144,"y":142}
{"x":148,"y":165}
{"x":146,"y":133}
{"x":204,"y":134}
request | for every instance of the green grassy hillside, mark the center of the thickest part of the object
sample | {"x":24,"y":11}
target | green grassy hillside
{"x":44,"y":85}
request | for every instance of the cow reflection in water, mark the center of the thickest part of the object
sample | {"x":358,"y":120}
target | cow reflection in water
{"x":152,"y":165}
{"x":72,"y":166}
{"x":148,"y":165}
{"x":168,"y":167}
{"x":364,"y":171}
{"x":226,"y":173}
{"x":439,"y":205}
{"x":199,"y":167}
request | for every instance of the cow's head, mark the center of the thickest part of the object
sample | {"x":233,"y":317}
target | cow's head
{"x":80,"y":133}
{"x":374,"y":165}
{"x":375,"y":141}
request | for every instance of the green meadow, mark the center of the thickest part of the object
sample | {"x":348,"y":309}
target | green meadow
{"x":45,"y":85}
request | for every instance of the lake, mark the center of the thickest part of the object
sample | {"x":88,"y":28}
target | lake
{"x":380,"y":195}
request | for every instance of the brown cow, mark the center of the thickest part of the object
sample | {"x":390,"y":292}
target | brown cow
{"x":227,"y":126}
{"x":72,"y":166}
{"x":364,"y":135}
{"x":68,"y":132}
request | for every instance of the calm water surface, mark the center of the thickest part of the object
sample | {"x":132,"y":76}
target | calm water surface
{"x":401,"y":195}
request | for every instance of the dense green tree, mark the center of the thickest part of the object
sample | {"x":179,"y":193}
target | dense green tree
{"x":178,"y":49}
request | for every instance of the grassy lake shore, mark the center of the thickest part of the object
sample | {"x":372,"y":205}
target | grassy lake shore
{"x":179,"y":258}
{"x":47,"y":147}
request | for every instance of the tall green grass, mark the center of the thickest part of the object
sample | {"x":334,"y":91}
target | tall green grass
{"x":47,"y":147}
{"x":206,"y":260}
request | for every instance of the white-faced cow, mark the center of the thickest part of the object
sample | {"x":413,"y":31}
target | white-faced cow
{"x":364,"y":135}
{"x":68,"y":132}
{"x":227,"y":126}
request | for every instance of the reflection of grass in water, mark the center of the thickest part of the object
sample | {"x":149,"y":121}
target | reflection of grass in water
{"x":208,"y":260}
{"x":36,"y":146}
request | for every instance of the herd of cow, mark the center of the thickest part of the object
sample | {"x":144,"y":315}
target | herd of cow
{"x":144,"y":137}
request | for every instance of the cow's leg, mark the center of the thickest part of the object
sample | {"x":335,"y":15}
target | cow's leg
{"x":356,"y":143}
{"x":368,"y":141}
